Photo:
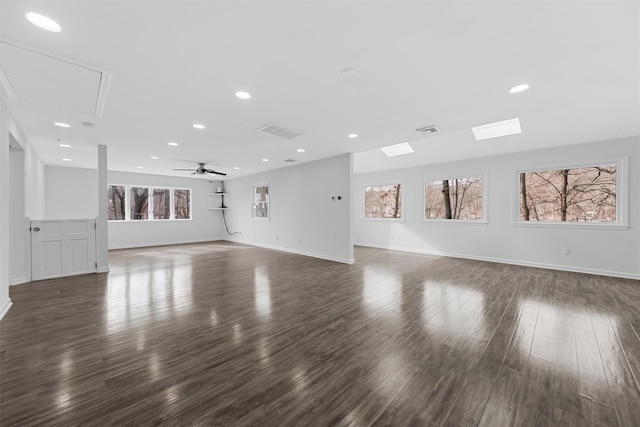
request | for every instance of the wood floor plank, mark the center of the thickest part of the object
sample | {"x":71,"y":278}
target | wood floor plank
{"x":501,"y":407}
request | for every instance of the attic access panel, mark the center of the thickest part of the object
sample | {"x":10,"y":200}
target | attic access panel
{"x":46,"y":80}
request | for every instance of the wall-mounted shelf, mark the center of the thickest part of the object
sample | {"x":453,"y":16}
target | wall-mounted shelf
{"x":222,"y":207}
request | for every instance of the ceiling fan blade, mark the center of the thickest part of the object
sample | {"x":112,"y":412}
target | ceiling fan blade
{"x":193,"y":173}
{"x":216,"y":172}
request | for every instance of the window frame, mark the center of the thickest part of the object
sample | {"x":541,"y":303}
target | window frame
{"x":485,"y":199}
{"x":253,"y":202}
{"x":127,"y":203}
{"x":385,"y":183}
{"x":622,"y":195}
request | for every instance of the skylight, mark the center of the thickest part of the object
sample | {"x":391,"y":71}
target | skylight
{"x":397,"y":149}
{"x":497,"y":129}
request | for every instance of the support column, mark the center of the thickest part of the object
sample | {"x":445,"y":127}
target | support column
{"x":102,"y":236}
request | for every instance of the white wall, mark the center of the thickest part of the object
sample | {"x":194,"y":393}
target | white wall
{"x":204,"y":226}
{"x":20,"y":249}
{"x":5,"y":301}
{"x":71,"y":193}
{"x":13,"y":234}
{"x":303,"y":218}
{"x":601,"y":251}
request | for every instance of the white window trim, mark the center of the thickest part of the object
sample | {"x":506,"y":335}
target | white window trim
{"x":384,"y":184}
{"x":622,"y":196}
{"x":127,"y":203}
{"x":485,"y":199}
{"x":253,"y":201}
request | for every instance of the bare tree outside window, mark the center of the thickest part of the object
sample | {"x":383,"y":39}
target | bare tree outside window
{"x":383,"y":201}
{"x":457,"y":198}
{"x":116,"y":204}
{"x":139,"y":203}
{"x":161,"y":203}
{"x":261,"y":202}
{"x":182,"y":204}
{"x":586,"y":194}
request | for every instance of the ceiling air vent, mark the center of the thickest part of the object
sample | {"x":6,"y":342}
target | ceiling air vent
{"x":278,"y":131}
{"x":290,"y":160}
{"x":427,"y":130}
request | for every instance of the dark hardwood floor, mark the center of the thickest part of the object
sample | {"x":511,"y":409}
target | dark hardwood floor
{"x":226,"y":334}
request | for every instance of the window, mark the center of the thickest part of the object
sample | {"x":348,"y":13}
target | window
{"x":138,"y":203}
{"x":261,"y":202}
{"x":581,"y":194}
{"x":383,"y":201}
{"x":116,"y":206}
{"x":182,"y":204}
{"x":454,"y":199}
{"x":162,"y":203}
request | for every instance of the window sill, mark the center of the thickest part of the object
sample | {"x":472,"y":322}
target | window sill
{"x":383,"y":219}
{"x":570,"y":225}
{"x":454,"y":221}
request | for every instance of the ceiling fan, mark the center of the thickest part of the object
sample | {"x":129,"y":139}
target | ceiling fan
{"x":201,"y":170}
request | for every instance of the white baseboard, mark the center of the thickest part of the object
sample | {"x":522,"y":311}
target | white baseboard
{"x":102,"y":270}
{"x":19,"y":281}
{"x":151,"y":244}
{"x":294,"y":251}
{"x":594,"y":271}
{"x":5,"y":309}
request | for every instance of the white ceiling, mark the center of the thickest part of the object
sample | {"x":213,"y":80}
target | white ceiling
{"x":418,"y":63}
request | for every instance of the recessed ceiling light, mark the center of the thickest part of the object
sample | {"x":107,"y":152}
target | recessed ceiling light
{"x":397,"y":149}
{"x":300,"y":150}
{"x":198,"y":126}
{"x":43,"y":22}
{"x":352,"y":135}
{"x":140,"y":167}
{"x":243,"y":95}
{"x":236,"y":167}
{"x":62,"y":125}
{"x":497,"y":129}
{"x":173,"y":144}
{"x":154,"y":158}
{"x":519,"y":88}
{"x":67,"y":160}
{"x":265,"y":160}
{"x":64,"y":145}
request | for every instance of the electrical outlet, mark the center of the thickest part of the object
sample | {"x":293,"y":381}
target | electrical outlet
{"x":566,"y":251}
